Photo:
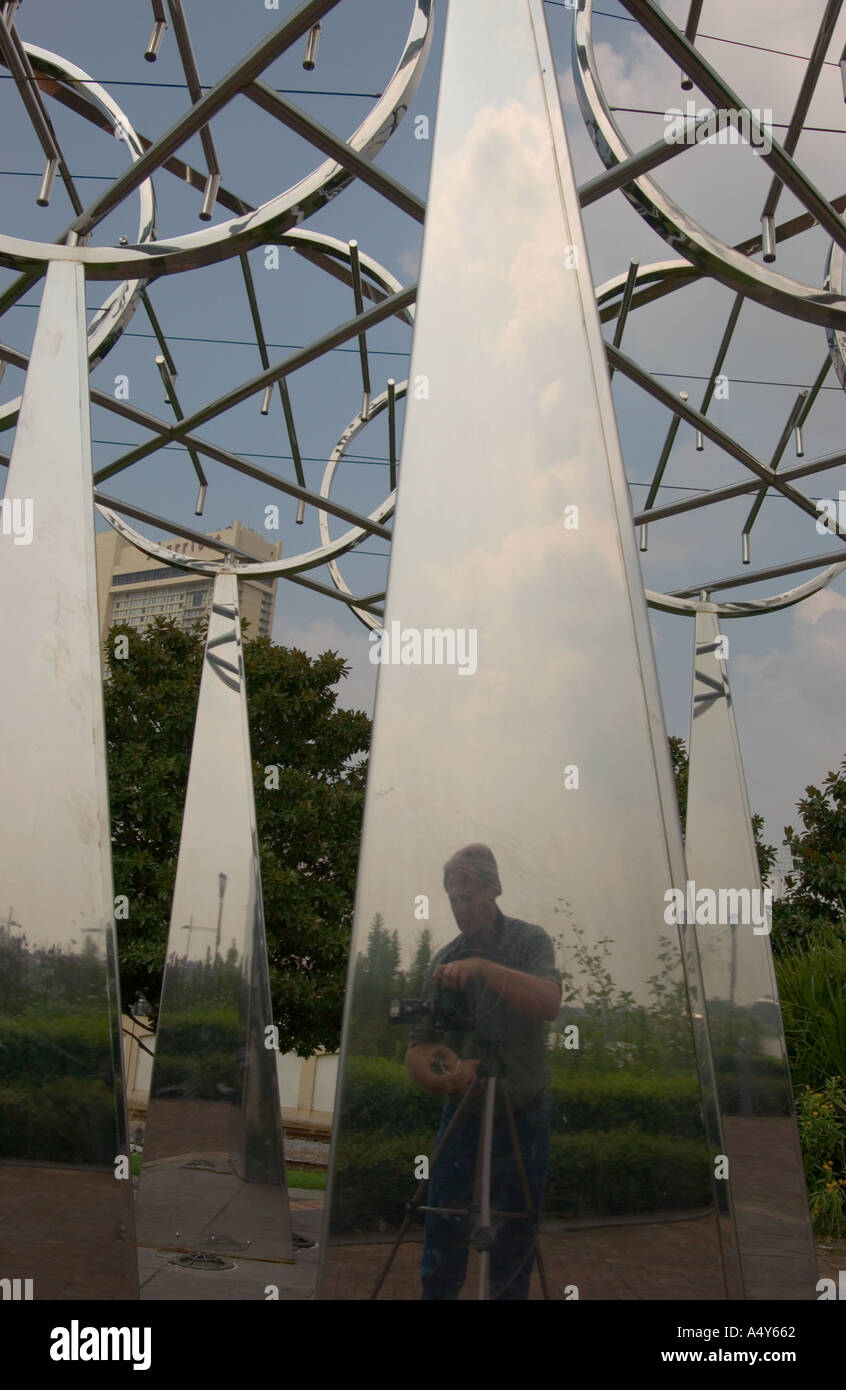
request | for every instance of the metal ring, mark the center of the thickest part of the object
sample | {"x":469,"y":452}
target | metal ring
{"x":352,"y":431}
{"x":667,"y":603}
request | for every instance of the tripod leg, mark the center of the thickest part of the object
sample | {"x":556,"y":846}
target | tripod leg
{"x":534,"y":1217}
{"x":485,"y":1150}
{"x":406,"y":1222}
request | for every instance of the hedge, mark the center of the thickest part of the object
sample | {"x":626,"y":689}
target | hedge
{"x":597,"y":1174}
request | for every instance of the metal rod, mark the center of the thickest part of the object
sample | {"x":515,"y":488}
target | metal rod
{"x":172,"y":400}
{"x":813,"y":69}
{"x":815,"y":390}
{"x":625,"y":305}
{"x":843,"y":71}
{"x":630,"y":169}
{"x":814,"y":562}
{"x":287,"y":410}
{"x":301,"y":358}
{"x":336,"y":148}
{"x":236,"y":80}
{"x":690,"y":29}
{"x":19,"y":287}
{"x":164,"y":373}
{"x":768,"y":240}
{"x":266,"y":399}
{"x":151,"y":52}
{"x":355,"y":267}
{"x":795,"y":412}
{"x":745,"y":546}
{"x":160,"y":337}
{"x":195,"y":91}
{"x":392,"y":432}
{"x":46,"y":190}
{"x":312,"y":45}
{"x":209,"y":197}
{"x":19,"y":66}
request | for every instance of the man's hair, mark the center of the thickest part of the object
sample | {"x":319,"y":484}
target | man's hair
{"x":477,"y":860}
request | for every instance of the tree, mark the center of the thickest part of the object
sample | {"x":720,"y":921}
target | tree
{"x":378,"y":980}
{"x":814,"y":907}
{"x":308,"y":813}
{"x":767,"y":854}
{"x":419,"y":972}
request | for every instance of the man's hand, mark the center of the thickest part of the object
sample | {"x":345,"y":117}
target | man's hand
{"x":456,"y":973}
{"x":435,"y":1067}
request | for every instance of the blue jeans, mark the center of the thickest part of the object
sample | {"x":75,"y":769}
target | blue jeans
{"x":445,"y":1238}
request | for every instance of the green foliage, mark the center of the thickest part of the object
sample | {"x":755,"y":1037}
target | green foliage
{"x":307,"y":1178}
{"x":308,"y":826}
{"x":379,"y":1095}
{"x":812,"y":989}
{"x":378,"y":980}
{"x":814,"y":907}
{"x":69,"y":1119}
{"x":614,"y":1031}
{"x":626,"y":1171}
{"x":822,"y":1130}
{"x":598,"y":1173}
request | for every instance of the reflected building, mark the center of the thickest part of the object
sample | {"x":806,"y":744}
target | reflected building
{"x":135,"y":589}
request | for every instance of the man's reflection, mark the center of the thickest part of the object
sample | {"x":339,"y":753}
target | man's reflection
{"x":488,"y":994}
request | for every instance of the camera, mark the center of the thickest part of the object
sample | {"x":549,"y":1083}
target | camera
{"x":448,"y":1011}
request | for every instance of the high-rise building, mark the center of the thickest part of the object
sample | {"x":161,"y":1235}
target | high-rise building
{"x":133,"y":588}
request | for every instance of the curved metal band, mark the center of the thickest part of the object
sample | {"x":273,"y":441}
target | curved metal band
{"x":689,"y":607}
{"x":265,"y":224}
{"x":706,"y":251}
{"x":378,"y":405}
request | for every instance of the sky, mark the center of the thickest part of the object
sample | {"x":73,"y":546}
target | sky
{"x":787,"y":670}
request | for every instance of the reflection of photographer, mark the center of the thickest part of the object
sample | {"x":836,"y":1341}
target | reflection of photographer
{"x":487,"y":996}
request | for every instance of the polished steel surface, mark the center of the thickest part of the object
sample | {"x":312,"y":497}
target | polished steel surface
{"x":213,"y":1175}
{"x":766,"y":1174}
{"x":66,"y":1216}
{"x":548,"y":748}
{"x":257,"y":226}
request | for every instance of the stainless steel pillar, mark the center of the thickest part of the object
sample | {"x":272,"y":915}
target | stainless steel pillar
{"x":66,"y":1216}
{"x":518,"y":710}
{"x":766,"y":1175}
{"x":213,"y":1177}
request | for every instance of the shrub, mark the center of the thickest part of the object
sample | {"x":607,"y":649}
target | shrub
{"x":822,"y":1130}
{"x":812,"y":988}
{"x":598,"y":1174}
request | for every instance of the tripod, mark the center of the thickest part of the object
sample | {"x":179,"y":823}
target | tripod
{"x":488,"y":1075}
